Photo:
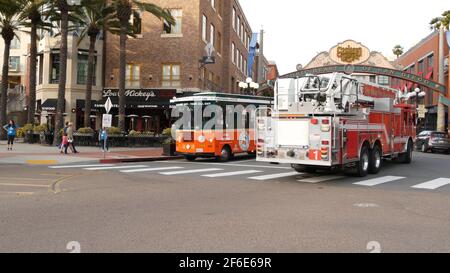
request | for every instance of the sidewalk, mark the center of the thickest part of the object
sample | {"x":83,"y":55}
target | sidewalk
{"x":36,"y":154}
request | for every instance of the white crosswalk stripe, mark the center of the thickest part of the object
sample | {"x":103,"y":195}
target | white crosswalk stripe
{"x":114,"y":167}
{"x":80,"y":166}
{"x":433,"y":184}
{"x":191,"y":171}
{"x":274,"y":176}
{"x":379,"y":180}
{"x":322,"y":178}
{"x":152,"y":169}
{"x":231,"y":173}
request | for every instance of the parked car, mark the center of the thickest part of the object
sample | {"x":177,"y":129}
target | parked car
{"x":432,"y":141}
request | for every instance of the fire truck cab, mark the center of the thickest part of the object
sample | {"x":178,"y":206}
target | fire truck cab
{"x":335,"y":121}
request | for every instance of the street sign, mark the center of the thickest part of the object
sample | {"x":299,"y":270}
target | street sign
{"x":108,"y":105}
{"x":421,"y":111}
{"x":107,"y":121}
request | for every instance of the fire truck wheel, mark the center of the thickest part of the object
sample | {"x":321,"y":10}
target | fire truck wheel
{"x":406,"y":158}
{"x":362,"y":167}
{"x":225,"y":155}
{"x":190,"y":158}
{"x":375,"y":160}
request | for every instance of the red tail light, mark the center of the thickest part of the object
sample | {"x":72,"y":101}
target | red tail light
{"x":325,"y":142}
{"x":314,"y":121}
{"x":325,"y":121}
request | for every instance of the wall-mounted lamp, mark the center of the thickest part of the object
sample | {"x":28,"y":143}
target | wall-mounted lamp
{"x":191,"y":77}
{"x":150,"y":77}
{"x":111,"y":77}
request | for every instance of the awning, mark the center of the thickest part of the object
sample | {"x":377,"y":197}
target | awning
{"x":94,"y":105}
{"x":50,"y":105}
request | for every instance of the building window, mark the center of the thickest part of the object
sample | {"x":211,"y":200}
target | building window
{"x":245,"y":68}
{"x":421,"y":66}
{"x":233,"y":55}
{"x":238,"y":53}
{"x":177,"y":14}
{"x":14,"y":63}
{"x":15,"y":43}
{"x":213,"y":4}
{"x":219,"y":43}
{"x":82,"y":71}
{"x":238,"y":25}
{"x":136,"y":22}
{"x":212,"y":30}
{"x":220,"y":7}
{"x":234,"y":18}
{"x":383,"y":80}
{"x":54,"y":71}
{"x":372,"y":78}
{"x":171,"y":75}
{"x":133,"y":75}
{"x":430,"y":60}
{"x":41,"y":68}
{"x":204,"y":25}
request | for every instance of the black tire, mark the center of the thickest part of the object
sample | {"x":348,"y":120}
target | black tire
{"x":303,"y":168}
{"x":424,"y":148}
{"x":375,"y":160}
{"x":190,"y":157}
{"x":406,"y":158}
{"x":225,"y":154}
{"x":362,"y":166}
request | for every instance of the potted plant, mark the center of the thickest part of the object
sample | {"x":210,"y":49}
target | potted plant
{"x":169,"y":144}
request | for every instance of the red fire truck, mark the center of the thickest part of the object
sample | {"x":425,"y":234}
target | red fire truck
{"x":335,"y":121}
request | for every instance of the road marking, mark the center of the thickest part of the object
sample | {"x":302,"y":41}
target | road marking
{"x":17,"y":192}
{"x":231,"y":173}
{"x":191,"y":171}
{"x":379,"y":180}
{"x":151,"y":169}
{"x":433,"y":184}
{"x":115,"y":167}
{"x":22,"y":179}
{"x":24,"y":185}
{"x":273,"y":176}
{"x":225,"y":164}
{"x":41,"y":162}
{"x":79,"y":166}
{"x":322,"y":178}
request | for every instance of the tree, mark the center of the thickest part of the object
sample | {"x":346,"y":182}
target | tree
{"x":32,"y":17}
{"x":444,"y":21}
{"x":9,"y":25}
{"x":398,"y":50}
{"x":123,"y":11}
{"x":94,"y":16}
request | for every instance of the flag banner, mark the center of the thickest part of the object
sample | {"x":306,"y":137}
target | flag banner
{"x":251,"y":54}
{"x":447,"y":34}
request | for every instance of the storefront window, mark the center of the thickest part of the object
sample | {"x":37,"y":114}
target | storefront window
{"x":132,"y":78}
{"x":82,"y":71}
{"x":177,"y":14}
{"x":14,"y":63}
{"x":171,"y":75}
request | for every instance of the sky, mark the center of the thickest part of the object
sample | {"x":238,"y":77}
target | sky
{"x":297,"y":30}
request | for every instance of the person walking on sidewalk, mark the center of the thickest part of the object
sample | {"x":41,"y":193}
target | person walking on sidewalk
{"x":70,"y":139}
{"x":103,"y":139}
{"x":11,"y":129}
{"x":62,"y":146}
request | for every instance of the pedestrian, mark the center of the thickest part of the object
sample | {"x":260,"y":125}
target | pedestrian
{"x":103,"y":139}
{"x":62,"y":146}
{"x":70,"y":139}
{"x":11,"y":129}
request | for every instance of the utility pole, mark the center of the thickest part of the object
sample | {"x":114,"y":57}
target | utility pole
{"x":441,"y":108}
{"x":260,"y":78}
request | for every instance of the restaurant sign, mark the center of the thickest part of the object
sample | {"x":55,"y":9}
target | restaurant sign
{"x":367,"y":69}
{"x":349,"y":52}
{"x":140,"y":97}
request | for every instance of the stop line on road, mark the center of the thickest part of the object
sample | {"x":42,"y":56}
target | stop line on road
{"x":251,"y":174}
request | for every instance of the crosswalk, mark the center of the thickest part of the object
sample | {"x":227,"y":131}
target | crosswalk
{"x":257,"y":174}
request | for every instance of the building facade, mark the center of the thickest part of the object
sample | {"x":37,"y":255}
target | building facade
{"x":164,"y":61}
{"x":423,"y":60}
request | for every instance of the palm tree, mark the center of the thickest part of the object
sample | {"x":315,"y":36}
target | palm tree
{"x":398,"y":50}
{"x":32,"y":17}
{"x":94,"y":17}
{"x":123,"y":11}
{"x":444,"y":21}
{"x":9,"y":25}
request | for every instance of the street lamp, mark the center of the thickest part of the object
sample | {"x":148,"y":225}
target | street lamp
{"x":249,"y":87}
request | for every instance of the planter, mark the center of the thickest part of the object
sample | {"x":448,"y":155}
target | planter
{"x":169,"y":149}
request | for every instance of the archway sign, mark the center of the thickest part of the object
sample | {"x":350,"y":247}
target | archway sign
{"x":350,"y":69}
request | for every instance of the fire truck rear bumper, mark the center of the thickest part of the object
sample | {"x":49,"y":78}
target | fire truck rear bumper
{"x":293,"y":161}
{"x":197,"y":154}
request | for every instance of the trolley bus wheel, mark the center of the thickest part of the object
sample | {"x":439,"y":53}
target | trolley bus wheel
{"x":375,"y":160}
{"x":190,"y":157}
{"x":225,"y":154}
{"x":362,"y":167}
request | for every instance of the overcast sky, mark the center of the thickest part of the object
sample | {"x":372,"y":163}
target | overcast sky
{"x":296,"y":30}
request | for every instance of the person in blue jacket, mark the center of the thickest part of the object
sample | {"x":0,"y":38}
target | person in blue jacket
{"x":103,"y":139}
{"x":11,"y":129}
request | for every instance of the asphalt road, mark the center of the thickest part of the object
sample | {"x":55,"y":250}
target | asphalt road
{"x":241,"y":206}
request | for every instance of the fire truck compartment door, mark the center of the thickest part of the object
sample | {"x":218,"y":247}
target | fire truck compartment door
{"x":292,"y":132}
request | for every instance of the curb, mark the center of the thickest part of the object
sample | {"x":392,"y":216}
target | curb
{"x":139,"y":159}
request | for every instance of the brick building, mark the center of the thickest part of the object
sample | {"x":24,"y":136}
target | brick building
{"x":163,"y":61}
{"x":423,"y":60}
